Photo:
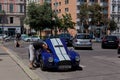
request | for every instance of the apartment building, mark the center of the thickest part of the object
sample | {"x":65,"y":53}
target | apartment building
{"x":72,"y":7}
{"x":12,"y":13}
{"x":115,"y":13}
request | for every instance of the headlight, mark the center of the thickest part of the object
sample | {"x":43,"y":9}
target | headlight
{"x":50,"y":59}
{"x":77,"y":58}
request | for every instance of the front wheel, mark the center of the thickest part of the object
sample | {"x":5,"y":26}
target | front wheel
{"x":42,"y":65}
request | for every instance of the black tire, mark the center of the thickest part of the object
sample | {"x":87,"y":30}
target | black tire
{"x":28,"y":40}
{"x":103,"y":47}
{"x":42,"y":65}
{"x":74,"y":47}
{"x":91,"y":48}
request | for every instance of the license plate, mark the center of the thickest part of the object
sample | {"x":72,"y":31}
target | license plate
{"x":110,"y":41}
{"x":64,"y":66}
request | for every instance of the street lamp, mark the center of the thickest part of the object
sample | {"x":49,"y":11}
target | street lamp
{"x":55,"y":28}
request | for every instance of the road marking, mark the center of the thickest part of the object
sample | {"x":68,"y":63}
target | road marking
{"x":82,"y":66}
{"x":25,"y":68}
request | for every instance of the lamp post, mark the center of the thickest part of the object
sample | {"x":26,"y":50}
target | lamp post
{"x":55,"y":28}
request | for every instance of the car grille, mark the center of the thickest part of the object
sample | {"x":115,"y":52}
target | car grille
{"x":64,"y":62}
{"x":64,"y":65}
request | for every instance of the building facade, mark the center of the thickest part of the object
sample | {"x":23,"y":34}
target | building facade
{"x":72,"y":7}
{"x":12,"y":13}
{"x":115,"y":13}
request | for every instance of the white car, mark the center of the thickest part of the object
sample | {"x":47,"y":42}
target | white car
{"x":31,"y":38}
{"x":2,"y":36}
{"x":82,"y":40}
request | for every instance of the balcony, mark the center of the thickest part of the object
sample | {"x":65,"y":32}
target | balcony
{"x":15,"y":14}
{"x":103,"y":4}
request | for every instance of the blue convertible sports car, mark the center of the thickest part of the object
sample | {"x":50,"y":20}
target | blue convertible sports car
{"x":60,"y":57}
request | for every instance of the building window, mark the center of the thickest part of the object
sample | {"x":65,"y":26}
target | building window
{"x":66,"y":9}
{"x":66,"y":1}
{"x":80,"y":0}
{"x":59,"y":10}
{"x":118,"y":8}
{"x":60,"y":3}
{"x":21,"y":8}
{"x":11,"y":7}
{"x":56,"y":4}
{"x":113,"y":18}
{"x":91,"y":0}
{"x":11,"y":20}
{"x":113,"y":8}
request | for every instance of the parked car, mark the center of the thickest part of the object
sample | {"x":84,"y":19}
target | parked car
{"x":31,"y":38}
{"x":67,"y":37}
{"x":110,"y":42}
{"x":23,"y":36}
{"x":82,"y":40}
{"x":60,"y":57}
{"x":2,"y":36}
{"x":8,"y":38}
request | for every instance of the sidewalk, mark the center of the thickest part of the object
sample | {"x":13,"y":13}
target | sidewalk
{"x":9,"y":69}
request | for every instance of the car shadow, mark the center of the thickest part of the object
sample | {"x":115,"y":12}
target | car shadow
{"x":83,"y":48}
{"x":69,"y":70}
{"x":110,"y":48}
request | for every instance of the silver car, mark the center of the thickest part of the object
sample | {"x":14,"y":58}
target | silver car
{"x":31,"y":38}
{"x":82,"y":40}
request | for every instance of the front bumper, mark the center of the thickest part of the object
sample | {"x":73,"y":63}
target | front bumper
{"x":83,"y":45}
{"x":63,"y":65}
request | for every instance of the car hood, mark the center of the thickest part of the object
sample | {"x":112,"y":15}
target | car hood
{"x":58,"y":48}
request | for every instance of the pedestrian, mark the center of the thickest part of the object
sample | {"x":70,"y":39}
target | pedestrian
{"x":34,"y":51}
{"x":17,"y":40}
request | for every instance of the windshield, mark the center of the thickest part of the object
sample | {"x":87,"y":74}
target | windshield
{"x":111,"y":38}
{"x":58,"y":45}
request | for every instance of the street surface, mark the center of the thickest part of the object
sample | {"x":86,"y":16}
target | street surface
{"x":98,"y":64}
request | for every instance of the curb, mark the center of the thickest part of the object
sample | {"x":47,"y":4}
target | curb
{"x":16,"y":58}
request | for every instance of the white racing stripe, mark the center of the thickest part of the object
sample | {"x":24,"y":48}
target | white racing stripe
{"x":57,"y":50}
{"x":64,"y":53}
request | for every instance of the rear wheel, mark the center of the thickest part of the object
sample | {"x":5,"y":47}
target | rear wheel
{"x":91,"y":48}
{"x":102,"y":46}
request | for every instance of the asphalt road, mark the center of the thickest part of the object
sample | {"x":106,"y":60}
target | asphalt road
{"x":97,"y":64}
